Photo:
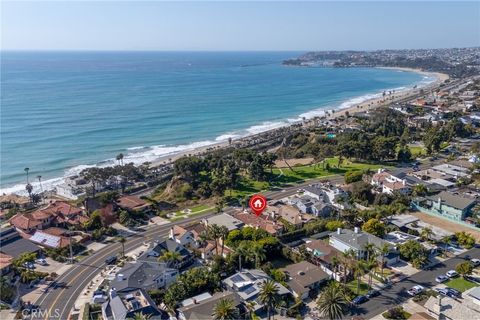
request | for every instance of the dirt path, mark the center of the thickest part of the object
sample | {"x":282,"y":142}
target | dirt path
{"x":446,"y":224}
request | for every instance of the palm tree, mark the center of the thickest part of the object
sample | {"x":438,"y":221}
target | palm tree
{"x":171,"y":258}
{"x":122,"y":241}
{"x":39,"y":178}
{"x":26,"y":171}
{"x":243,"y":250}
{"x":258,"y":252}
{"x":426,"y":233}
{"x":358,"y":271}
{"x":223,"y":232}
{"x":140,"y":316}
{"x":119,"y":158}
{"x":214,"y":232}
{"x":383,"y":251}
{"x":225,"y":310}
{"x":348,"y":259}
{"x":29,"y":189}
{"x":203,"y":237}
{"x":332,"y":303}
{"x":335,"y":264}
{"x":269,"y":295}
{"x":369,"y":248}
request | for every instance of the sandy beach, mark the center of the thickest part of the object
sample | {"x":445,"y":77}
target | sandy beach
{"x":361,"y":107}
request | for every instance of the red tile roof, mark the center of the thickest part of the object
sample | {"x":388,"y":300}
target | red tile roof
{"x":5,"y":260}
{"x":24,"y":221}
{"x":131,"y":202}
{"x":261,"y":222}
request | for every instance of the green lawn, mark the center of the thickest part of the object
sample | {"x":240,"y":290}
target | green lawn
{"x":363,"y":287}
{"x":417,"y":151}
{"x":302,"y":173}
{"x":460,"y":284}
{"x":247,"y":187}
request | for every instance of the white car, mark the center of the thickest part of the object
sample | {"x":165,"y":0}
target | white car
{"x":441,"y":278}
{"x":452,"y":274}
{"x":41,"y":262}
{"x":415,"y":290}
{"x":475,"y":262}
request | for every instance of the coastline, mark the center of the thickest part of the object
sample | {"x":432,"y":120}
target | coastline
{"x":375,"y":100}
{"x":363,"y":106}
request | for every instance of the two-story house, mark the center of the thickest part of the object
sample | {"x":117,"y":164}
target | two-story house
{"x":446,"y":204}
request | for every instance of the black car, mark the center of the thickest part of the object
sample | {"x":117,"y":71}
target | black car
{"x":111,"y":260}
{"x":359,"y":300}
{"x":453,"y":293}
{"x":372,"y":293}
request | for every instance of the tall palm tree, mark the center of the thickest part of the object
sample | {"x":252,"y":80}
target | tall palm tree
{"x":225,"y":310}
{"x":332,"y":302}
{"x":26,"y":171}
{"x":348,"y":260}
{"x":39,"y":178}
{"x":258,"y":252}
{"x":203,"y":237}
{"x":171,"y":258}
{"x":223,"y":232}
{"x":119,"y":158}
{"x":383,"y":251}
{"x":122,"y":241}
{"x":269,"y":296}
{"x":369,"y":248}
{"x":335,"y":264}
{"x":243,"y":250}
{"x":214,"y":232}
{"x":358,"y":272}
{"x":29,"y":189}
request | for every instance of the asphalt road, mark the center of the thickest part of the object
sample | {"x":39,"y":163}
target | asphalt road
{"x":397,"y":293}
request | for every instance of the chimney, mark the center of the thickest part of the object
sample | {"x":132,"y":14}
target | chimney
{"x":356,"y":230}
{"x":339,"y":230}
{"x":172,"y":234}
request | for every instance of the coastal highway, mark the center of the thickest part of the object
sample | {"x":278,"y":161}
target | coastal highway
{"x":57,"y":303}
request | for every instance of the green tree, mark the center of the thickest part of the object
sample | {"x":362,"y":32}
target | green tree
{"x":269,"y":296}
{"x":122,"y":241}
{"x":375,"y":227}
{"x":7,"y":291}
{"x":332,"y":302}
{"x":383,"y":250}
{"x":464,"y":268}
{"x":426,"y":234}
{"x":225,"y":310}
{"x":258,"y":252}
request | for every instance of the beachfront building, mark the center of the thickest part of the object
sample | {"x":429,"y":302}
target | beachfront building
{"x":445,"y":204}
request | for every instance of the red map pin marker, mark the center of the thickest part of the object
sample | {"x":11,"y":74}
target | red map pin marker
{"x":257,"y":203}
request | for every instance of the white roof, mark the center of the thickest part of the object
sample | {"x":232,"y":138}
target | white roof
{"x":442,"y":182}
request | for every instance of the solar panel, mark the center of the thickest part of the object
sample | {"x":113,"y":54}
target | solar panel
{"x":250,"y":290}
{"x":237,"y":278}
{"x":46,"y":239}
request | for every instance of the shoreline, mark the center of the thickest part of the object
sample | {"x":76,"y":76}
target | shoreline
{"x":363,"y":106}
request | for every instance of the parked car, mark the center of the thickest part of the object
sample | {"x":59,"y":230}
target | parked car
{"x":475,"y":262}
{"x":372,"y":293}
{"x":442,"y":291}
{"x":359,"y":300}
{"x":454,"y":293}
{"x":441,"y":278}
{"x":111,"y":260}
{"x":41,"y":262}
{"x":415,"y":290}
{"x":452,"y":274}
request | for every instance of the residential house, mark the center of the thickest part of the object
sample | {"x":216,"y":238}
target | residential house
{"x":224,"y":220}
{"x":304,"y":278}
{"x":309,"y":205}
{"x":132,"y":203}
{"x":327,"y":192}
{"x":324,"y":255}
{"x":201,"y":309}
{"x":187,"y":235}
{"x":389,"y":183}
{"x":262,"y":222}
{"x":143,"y":275}
{"x":446,"y":204}
{"x":122,"y":306}
{"x":152,"y":255}
{"x":289,"y":214}
{"x":447,"y":308}
{"x":345,"y":239}
{"x":247,"y":284}
{"x":5,"y":263}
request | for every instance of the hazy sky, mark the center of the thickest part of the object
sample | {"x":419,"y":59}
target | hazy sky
{"x":93,"y":25}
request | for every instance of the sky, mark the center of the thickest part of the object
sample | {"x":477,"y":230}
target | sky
{"x":237,"y":26}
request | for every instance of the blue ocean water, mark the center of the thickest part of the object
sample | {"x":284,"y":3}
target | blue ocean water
{"x":61,"y":111}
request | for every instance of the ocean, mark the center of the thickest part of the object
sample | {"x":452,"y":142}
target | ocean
{"x":64,"y":111}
